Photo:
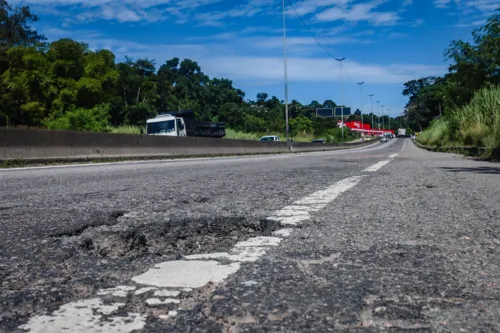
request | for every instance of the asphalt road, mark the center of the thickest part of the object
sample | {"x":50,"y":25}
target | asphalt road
{"x":382,"y":238}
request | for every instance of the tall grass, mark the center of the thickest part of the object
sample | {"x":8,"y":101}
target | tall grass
{"x":126,"y":129}
{"x":475,"y":124}
{"x":236,"y":135}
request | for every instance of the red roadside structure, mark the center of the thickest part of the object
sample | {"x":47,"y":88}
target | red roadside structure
{"x":356,"y":126}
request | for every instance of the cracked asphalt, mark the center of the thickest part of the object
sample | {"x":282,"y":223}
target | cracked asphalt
{"x":413,"y":247}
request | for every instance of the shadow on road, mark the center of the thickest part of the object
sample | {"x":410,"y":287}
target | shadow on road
{"x":484,"y":170}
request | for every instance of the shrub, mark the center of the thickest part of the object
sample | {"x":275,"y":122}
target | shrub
{"x":475,"y":124}
{"x":95,"y":119}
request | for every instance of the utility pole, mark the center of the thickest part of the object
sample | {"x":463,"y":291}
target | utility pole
{"x":389,"y":116}
{"x":286,"y":77}
{"x":371,"y":106}
{"x":361,"y":96}
{"x":378,"y":115}
{"x":383,"y":118}
{"x":341,"y":98}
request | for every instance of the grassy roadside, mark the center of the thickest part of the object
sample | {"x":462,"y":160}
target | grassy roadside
{"x":474,"y":125}
{"x":237,"y":135}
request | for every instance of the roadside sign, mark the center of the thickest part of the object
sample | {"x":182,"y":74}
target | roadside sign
{"x":338,"y":111}
{"x":324,"y":112}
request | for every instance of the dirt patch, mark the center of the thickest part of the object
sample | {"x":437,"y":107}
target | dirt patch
{"x":176,"y":237}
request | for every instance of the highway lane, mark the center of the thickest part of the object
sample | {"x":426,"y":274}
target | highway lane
{"x":410,"y":243}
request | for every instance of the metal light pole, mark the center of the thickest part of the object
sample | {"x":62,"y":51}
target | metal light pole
{"x":389,"y":116}
{"x":383,"y":129}
{"x":378,"y":115}
{"x":361,"y":96}
{"x":371,"y":106}
{"x":286,"y":77}
{"x":341,"y":98}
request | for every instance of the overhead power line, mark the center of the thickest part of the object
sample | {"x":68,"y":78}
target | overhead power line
{"x":309,"y":30}
{"x":314,"y":37}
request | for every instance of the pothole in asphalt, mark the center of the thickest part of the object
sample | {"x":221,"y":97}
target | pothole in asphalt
{"x":177,"y":237}
{"x":96,"y":219}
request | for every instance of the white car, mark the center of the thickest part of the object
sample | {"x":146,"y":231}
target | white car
{"x":270,"y":138}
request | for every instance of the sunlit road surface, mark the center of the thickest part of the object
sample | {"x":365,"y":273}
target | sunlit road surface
{"x":381,"y":238}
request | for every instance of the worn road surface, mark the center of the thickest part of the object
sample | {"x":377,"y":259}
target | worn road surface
{"x":382,"y":238}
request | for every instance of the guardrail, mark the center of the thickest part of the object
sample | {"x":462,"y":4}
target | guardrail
{"x":36,"y":145}
{"x":492,"y":153}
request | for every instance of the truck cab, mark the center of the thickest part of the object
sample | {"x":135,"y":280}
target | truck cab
{"x":167,"y":125}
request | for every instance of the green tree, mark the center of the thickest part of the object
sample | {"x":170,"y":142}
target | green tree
{"x":81,"y":119}
{"x":301,"y":125}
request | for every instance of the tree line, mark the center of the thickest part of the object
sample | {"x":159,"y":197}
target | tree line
{"x":65,"y":85}
{"x":474,"y":65}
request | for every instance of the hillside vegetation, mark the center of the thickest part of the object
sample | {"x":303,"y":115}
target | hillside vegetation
{"x":463,"y":106}
{"x":64,"y":84}
{"x":475,"y":124}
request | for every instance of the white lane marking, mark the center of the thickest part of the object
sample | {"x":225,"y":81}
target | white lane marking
{"x":300,"y":210}
{"x":283,"y":232}
{"x":85,"y":316}
{"x":118,"y":291}
{"x":157,"y":301}
{"x":144,"y":290}
{"x":249,"y":283}
{"x":187,"y":274}
{"x":376,"y":167}
{"x":259,"y":241}
{"x":172,"y":313}
{"x":166,"y":293}
{"x":393,"y":155}
{"x":239,"y":254}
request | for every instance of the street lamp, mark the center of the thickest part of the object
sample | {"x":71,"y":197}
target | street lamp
{"x":341,"y":98}
{"x":286,"y":77}
{"x":382,"y":118}
{"x":371,"y":106}
{"x":378,"y":115}
{"x":361,"y":96}
{"x":389,"y":116}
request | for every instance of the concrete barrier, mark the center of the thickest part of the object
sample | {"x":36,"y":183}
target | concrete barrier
{"x":48,"y":145}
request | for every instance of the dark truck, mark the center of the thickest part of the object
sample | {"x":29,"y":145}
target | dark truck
{"x":184,"y":123}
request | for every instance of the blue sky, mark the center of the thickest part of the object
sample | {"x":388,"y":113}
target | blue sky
{"x":385,"y":42}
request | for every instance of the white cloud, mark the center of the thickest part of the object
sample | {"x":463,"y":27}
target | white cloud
{"x":418,"y":23}
{"x":484,"y":6}
{"x":310,"y":6}
{"x":312,"y":69}
{"x":274,"y":42}
{"x":441,"y":3}
{"x":358,"y":12}
{"x":470,"y":24}
{"x":125,"y":10}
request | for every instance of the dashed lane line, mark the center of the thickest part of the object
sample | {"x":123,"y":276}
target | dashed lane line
{"x":376,"y":167}
{"x":165,"y":281}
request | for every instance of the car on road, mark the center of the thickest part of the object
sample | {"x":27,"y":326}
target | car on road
{"x":383,"y":139}
{"x":319,"y":141}
{"x":270,"y":138}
